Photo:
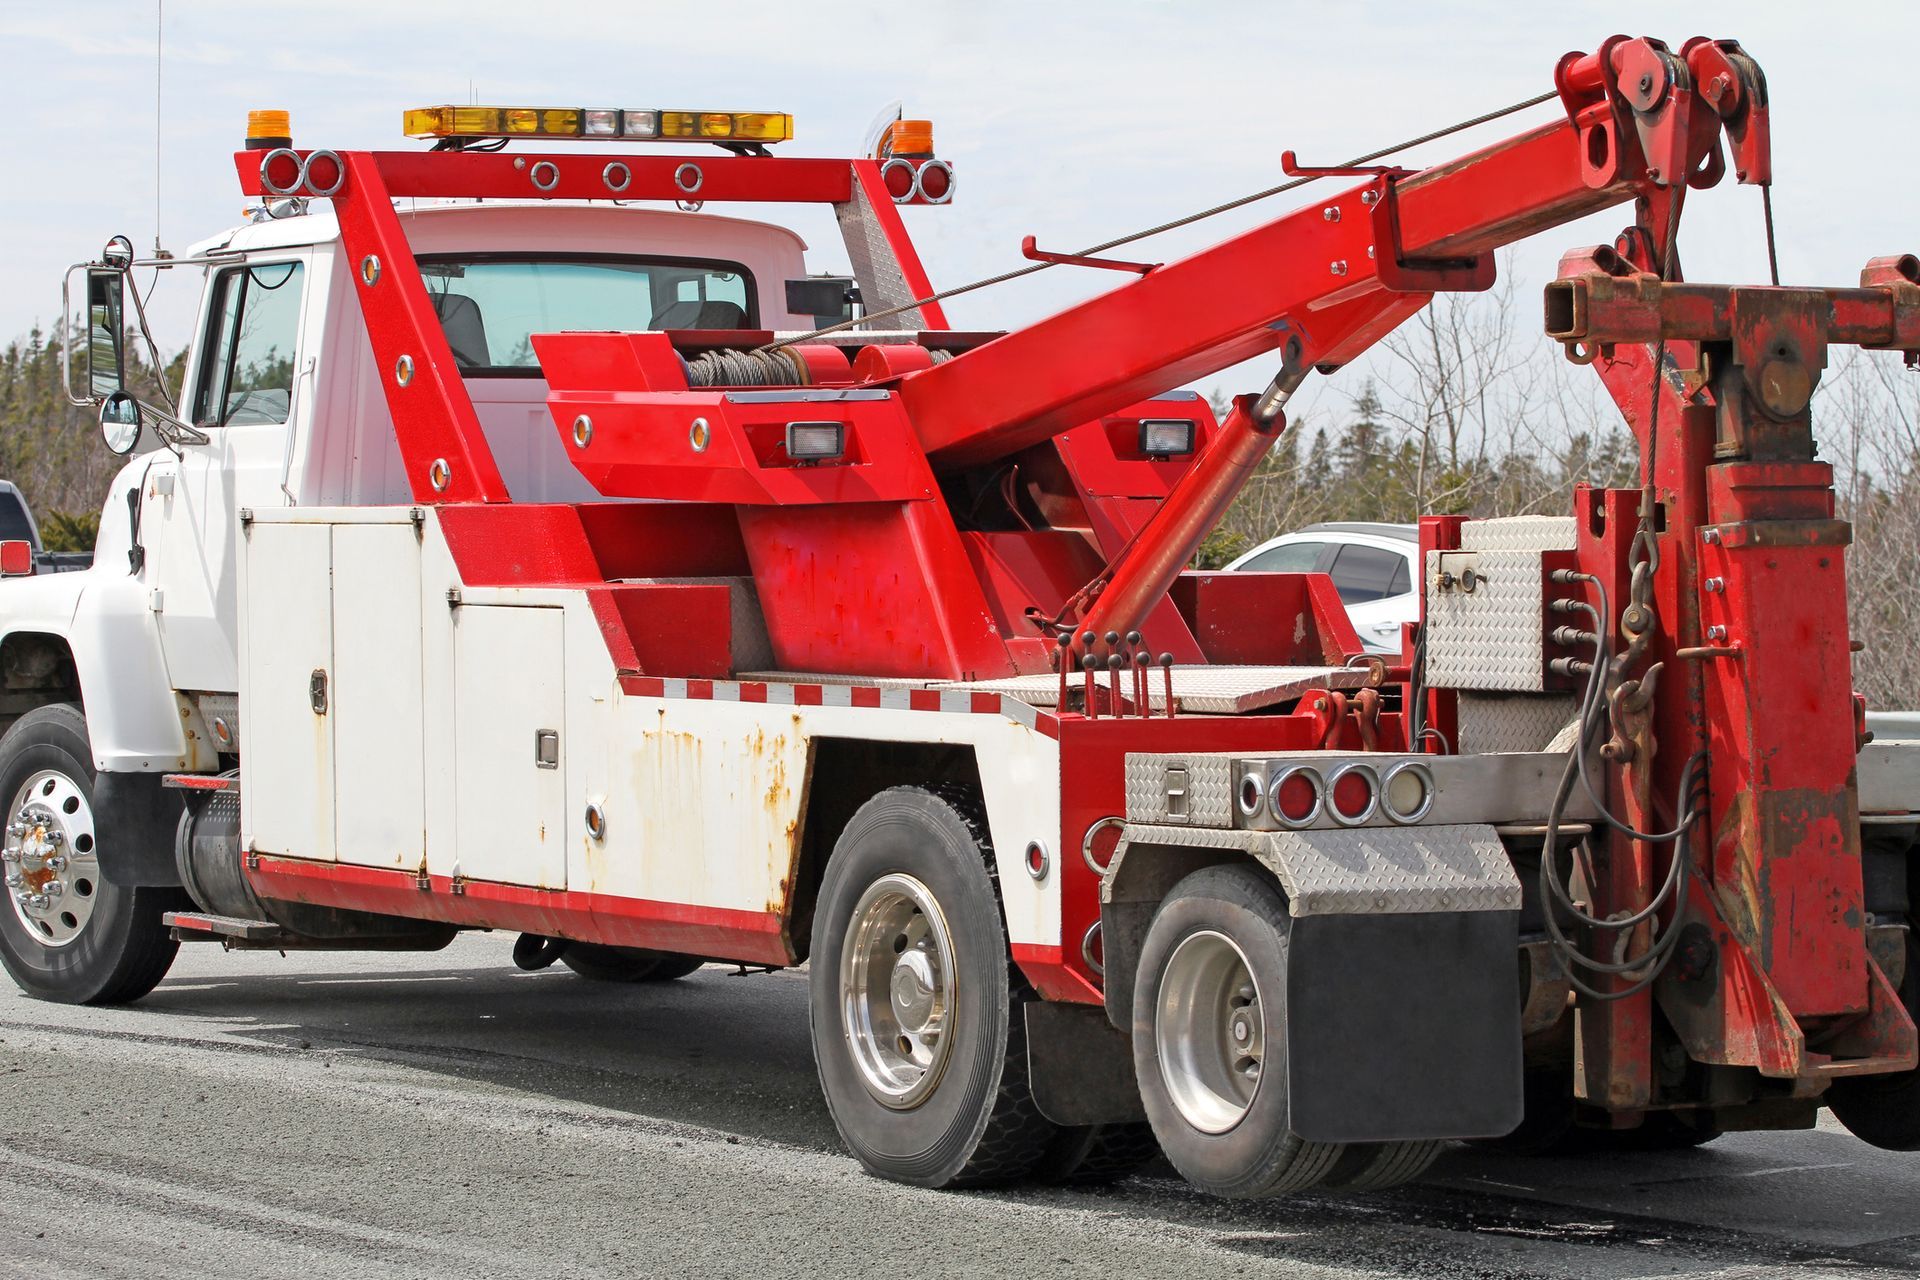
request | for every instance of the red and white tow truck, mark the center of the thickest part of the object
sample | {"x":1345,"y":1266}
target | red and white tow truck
{"x":526,"y":553}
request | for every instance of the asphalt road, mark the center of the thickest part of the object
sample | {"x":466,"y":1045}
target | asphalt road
{"x":445,"y":1115}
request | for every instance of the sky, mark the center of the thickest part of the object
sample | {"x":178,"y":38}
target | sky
{"x":1073,"y":122}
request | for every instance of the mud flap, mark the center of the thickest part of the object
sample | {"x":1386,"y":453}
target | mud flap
{"x":1403,"y":1025}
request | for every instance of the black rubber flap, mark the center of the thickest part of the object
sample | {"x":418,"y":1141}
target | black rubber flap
{"x":1403,"y":1026}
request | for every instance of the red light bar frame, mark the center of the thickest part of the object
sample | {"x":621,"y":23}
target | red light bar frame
{"x":442,"y":446}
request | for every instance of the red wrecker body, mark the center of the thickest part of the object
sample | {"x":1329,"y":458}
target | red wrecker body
{"x":876,"y":648}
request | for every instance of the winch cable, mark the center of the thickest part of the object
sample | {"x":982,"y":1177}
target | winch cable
{"x":1240,"y":202}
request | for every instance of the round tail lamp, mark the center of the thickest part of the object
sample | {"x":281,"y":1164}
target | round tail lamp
{"x":1407,"y":792}
{"x":1296,"y":795}
{"x":1353,"y":794}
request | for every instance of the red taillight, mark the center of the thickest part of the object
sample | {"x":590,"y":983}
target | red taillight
{"x":936,"y":181}
{"x":16,"y":559}
{"x":1295,"y":796}
{"x":898,"y":176}
{"x":1354,"y":794}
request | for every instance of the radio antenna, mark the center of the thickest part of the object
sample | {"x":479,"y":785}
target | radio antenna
{"x":159,"y":38}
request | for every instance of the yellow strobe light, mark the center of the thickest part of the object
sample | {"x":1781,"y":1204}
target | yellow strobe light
{"x":649,"y":124}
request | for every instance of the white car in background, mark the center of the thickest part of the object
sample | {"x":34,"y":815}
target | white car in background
{"x":1375,"y":568}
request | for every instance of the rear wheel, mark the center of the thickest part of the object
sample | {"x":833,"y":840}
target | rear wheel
{"x":916,"y":1011}
{"x":66,"y":933}
{"x":1375,"y":1166}
{"x":627,"y":964}
{"x":1209,"y":1037}
{"x":1884,"y":1110}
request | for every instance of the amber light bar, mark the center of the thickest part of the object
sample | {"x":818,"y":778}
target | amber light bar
{"x":649,"y":124}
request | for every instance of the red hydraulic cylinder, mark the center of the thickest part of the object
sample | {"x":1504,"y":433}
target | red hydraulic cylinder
{"x":1147,"y":567}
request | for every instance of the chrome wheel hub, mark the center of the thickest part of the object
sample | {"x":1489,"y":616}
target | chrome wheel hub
{"x":896,"y":989}
{"x":1209,"y":1033}
{"x":51,"y":870}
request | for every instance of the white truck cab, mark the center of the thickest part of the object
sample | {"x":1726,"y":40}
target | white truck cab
{"x":279,"y":381}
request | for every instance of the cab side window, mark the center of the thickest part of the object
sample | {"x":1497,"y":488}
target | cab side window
{"x":246,"y":363}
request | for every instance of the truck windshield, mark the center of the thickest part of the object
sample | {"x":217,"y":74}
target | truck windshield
{"x":491,"y":305}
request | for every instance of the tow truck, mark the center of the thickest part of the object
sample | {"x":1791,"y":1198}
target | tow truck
{"x":534,"y":549}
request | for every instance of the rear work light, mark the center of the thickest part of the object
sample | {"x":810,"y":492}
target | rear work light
{"x":1166,"y":437}
{"x":630,"y":124}
{"x":816,"y":441}
{"x":1296,"y":795}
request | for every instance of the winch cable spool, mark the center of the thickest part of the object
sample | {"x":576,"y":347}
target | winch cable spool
{"x":1240,"y":202}
{"x":737,"y":368}
{"x":740,"y":367}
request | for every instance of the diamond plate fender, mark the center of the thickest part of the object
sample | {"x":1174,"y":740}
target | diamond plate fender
{"x":1377,"y":870}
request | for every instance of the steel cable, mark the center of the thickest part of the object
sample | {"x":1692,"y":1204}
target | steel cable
{"x":1239,"y":202}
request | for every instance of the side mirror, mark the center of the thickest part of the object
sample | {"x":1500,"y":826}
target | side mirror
{"x":120,"y":422}
{"x":106,"y":334}
{"x":828,"y":299}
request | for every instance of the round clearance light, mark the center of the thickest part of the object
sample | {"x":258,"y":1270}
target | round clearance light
{"x":1252,"y":793}
{"x":1037,"y":860}
{"x":1296,"y":795}
{"x":1407,"y":792}
{"x":1353,"y":793}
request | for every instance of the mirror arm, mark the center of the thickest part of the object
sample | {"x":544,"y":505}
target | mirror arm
{"x":174,"y":430}
{"x":153,"y":354}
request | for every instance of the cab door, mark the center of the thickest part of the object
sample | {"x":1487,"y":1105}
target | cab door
{"x":246,"y":389}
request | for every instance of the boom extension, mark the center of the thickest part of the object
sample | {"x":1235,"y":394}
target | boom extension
{"x":1636,"y":116}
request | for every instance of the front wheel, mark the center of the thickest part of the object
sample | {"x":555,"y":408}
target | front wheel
{"x":918,"y":1031}
{"x":1209,"y":1038}
{"x":66,"y":933}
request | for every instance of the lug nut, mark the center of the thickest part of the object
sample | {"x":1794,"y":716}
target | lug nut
{"x":14,"y":880}
{"x":52,"y":889}
{"x":56,"y":862}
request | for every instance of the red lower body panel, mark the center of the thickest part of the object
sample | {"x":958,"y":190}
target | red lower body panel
{"x":754,"y":937}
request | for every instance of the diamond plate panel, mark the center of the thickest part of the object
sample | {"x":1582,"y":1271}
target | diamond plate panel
{"x":1519,"y":533}
{"x":1208,"y":789}
{"x":224,"y":707}
{"x":1197,"y":689}
{"x":882,"y":287}
{"x":1493,"y":637}
{"x":1369,"y":872}
{"x":1491,"y":722}
{"x":1380,"y":870}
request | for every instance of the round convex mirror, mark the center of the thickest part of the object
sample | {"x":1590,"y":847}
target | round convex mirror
{"x":120,"y":422}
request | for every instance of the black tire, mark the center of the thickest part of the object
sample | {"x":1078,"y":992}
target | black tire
{"x":977,"y":1124}
{"x":1088,"y":1155}
{"x":1375,"y":1166}
{"x":1259,"y":1155}
{"x":1884,"y":1111}
{"x":123,"y":950}
{"x":627,"y":964}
